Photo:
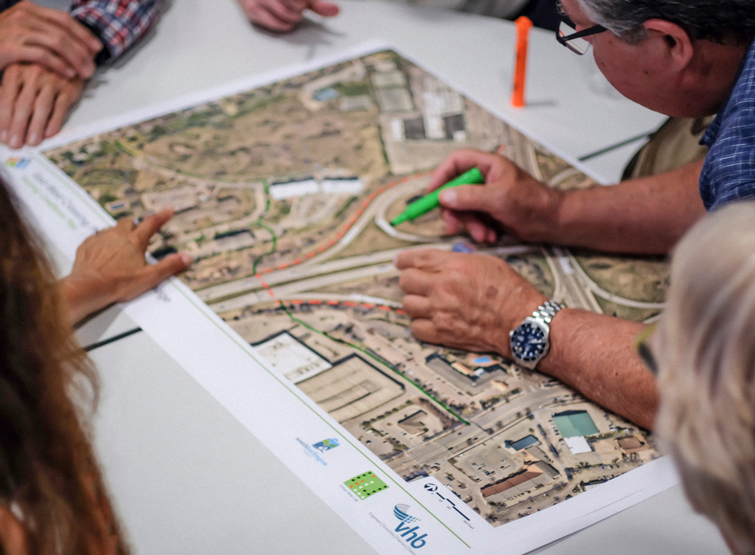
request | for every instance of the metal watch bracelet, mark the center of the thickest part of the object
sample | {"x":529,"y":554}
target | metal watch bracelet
{"x":546,"y":311}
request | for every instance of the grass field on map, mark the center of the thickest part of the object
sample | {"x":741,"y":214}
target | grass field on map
{"x":283,"y":195}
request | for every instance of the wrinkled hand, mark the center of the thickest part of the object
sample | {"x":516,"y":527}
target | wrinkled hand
{"x":466,"y":301}
{"x":51,"y":38}
{"x":34,"y":102}
{"x":283,"y":15}
{"x":110,"y":266}
{"x":511,"y":199}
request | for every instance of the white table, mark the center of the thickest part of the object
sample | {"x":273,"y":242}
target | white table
{"x":185,"y":475}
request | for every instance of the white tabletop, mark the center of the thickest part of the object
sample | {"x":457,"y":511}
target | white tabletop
{"x":188,"y":478}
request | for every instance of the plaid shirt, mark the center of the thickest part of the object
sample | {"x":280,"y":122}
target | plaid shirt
{"x":729,"y":169}
{"x":117,"y":23}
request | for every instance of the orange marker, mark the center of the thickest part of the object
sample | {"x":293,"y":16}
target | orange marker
{"x":523,"y":26}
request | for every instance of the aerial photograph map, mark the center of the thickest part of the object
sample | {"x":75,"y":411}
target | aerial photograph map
{"x":284,"y":195}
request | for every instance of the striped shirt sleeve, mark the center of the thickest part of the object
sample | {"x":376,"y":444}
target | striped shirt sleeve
{"x":118,"y":23}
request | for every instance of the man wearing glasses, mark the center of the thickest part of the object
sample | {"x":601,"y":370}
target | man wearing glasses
{"x":687,"y":60}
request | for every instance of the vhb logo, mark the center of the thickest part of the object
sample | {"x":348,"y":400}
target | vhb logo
{"x":410,"y":534}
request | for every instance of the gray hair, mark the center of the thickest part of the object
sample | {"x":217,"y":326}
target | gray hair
{"x":715,"y":20}
{"x":705,"y":348}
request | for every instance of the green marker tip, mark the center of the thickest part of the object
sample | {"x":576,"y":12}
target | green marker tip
{"x":431,"y":200}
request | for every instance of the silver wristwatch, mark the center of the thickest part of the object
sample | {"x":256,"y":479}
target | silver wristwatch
{"x":530,"y":341}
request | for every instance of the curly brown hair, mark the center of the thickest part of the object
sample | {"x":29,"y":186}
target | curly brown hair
{"x":48,"y":475}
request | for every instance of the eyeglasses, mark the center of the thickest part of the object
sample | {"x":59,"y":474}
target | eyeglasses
{"x":642,"y":344}
{"x":575,"y":41}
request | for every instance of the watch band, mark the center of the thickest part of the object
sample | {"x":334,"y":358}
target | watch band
{"x":546,"y":311}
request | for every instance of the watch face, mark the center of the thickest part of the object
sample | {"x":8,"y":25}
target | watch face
{"x":528,"y":342}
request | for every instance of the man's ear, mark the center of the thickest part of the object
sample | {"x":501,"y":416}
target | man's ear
{"x":674,"y":40}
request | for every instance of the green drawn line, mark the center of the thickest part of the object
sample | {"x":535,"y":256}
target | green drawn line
{"x":260,"y":222}
{"x":372,"y":356}
{"x":343,"y":341}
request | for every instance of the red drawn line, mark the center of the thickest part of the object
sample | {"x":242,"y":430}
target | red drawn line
{"x":351,"y":221}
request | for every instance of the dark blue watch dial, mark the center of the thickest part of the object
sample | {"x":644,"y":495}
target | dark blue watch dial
{"x":528,"y":342}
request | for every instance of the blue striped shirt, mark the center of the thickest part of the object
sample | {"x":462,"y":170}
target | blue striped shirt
{"x":729,"y":169}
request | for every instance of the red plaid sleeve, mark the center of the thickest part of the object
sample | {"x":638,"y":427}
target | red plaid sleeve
{"x":118,"y":23}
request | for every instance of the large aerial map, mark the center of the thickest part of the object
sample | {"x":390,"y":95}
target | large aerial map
{"x":283,"y":195}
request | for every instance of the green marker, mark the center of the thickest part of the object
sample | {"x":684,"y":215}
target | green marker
{"x":431,"y":200}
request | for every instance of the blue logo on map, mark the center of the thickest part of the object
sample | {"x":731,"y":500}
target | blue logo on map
{"x":326,"y":445}
{"x":410,"y":535}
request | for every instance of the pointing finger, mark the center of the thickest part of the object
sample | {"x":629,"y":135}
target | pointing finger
{"x":145,"y":230}
{"x":154,"y":274}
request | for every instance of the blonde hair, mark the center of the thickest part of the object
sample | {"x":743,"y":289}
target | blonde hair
{"x":706,"y":353}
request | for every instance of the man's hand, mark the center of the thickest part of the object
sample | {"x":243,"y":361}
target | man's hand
{"x":511,"y":199}
{"x":34,"y":102}
{"x":110,"y":266}
{"x":51,"y":38}
{"x":283,"y":15}
{"x":466,"y":301}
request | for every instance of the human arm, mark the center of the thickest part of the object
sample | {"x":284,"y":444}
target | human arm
{"x":51,"y":38}
{"x":117,"y":23}
{"x":284,"y":15}
{"x":472,"y":302}
{"x":642,"y":216}
{"x":110,"y":267}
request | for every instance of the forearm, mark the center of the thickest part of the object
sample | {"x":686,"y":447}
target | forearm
{"x":595,"y":355}
{"x":643,"y":216}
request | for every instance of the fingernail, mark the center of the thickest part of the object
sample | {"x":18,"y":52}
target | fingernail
{"x":70,"y":73}
{"x":395,"y":260}
{"x":186,"y":258}
{"x":448,"y":197}
{"x":15,"y":142}
{"x":33,"y":139}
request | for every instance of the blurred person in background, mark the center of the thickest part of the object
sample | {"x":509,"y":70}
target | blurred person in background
{"x":284,"y":15}
{"x":704,"y":352}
